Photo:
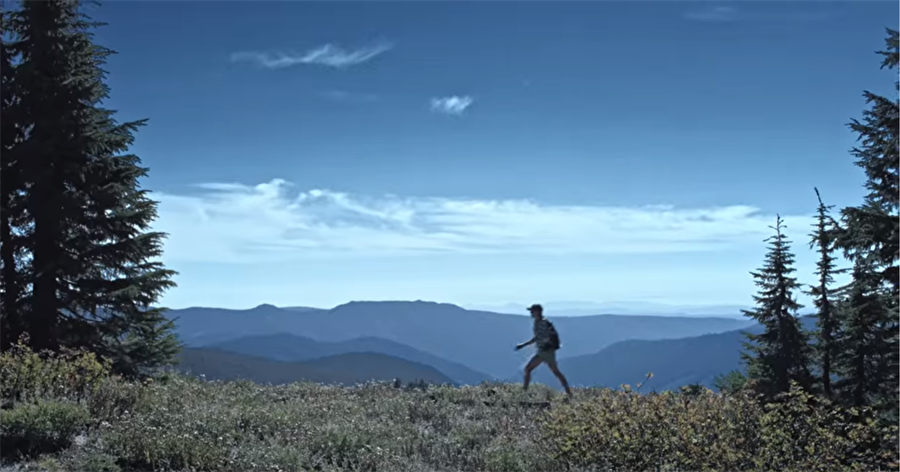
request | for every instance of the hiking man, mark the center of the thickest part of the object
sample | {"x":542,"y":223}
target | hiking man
{"x":547,"y":341}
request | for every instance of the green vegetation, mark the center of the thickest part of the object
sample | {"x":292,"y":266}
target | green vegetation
{"x":175,"y":423}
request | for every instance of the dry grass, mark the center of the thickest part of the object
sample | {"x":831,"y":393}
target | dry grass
{"x":183,"y":424}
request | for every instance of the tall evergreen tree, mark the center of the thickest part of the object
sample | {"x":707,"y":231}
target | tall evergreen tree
{"x":96,"y":270}
{"x":870,"y":237}
{"x":779,"y":354}
{"x":862,"y":360}
{"x":824,"y":294}
{"x":48,"y":153}
{"x":11,"y":134}
{"x":872,"y":230}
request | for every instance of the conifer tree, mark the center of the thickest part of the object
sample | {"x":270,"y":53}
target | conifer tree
{"x":870,"y":237}
{"x":95,"y":265}
{"x":49,"y":156}
{"x":862,"y":360}
{"x":11,"y":134}
{"x":872,"y":229}
{"x":824,"y":295}
{"x":780,"y":353}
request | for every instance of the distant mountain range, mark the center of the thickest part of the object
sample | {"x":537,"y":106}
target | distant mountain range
{"x":576,"y":308}
{"x":621,"y":308}
{"x":343,"y":369}
{"x":291,"y":348}
{"x":481,"y":341}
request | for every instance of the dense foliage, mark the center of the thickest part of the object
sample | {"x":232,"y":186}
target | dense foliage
{"x":104,"y":423}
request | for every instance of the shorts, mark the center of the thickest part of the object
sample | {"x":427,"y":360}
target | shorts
{"x":547,"y":356}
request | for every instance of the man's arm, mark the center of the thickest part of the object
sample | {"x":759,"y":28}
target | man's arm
{"x":526,"y":343}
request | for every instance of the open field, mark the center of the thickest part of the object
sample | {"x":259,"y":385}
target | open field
{"x":69,"y":414}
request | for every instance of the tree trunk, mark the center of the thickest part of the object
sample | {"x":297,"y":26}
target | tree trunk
{"x":827,"y":328}
{"x":47,"y":236}
{"x":12,"y":327}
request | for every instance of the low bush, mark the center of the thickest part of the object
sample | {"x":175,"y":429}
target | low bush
{"x":623,"y":430}
{"x":802,"y":432}
{"x":705,"y":431}
{"x":185,"y":424}
{"x":27,"y":376}
{"x":29,"y":430}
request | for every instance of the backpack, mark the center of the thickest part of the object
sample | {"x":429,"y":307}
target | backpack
{"x":554,"y":336}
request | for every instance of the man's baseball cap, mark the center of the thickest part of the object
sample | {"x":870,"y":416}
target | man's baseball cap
{"x":536,"y":307}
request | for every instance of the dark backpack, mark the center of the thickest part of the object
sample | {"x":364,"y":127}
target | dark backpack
{"x":554,"y":336}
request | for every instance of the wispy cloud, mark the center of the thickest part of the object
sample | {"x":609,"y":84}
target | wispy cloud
{"x":718,"y":13}
{"x":729,"y":13}
{"x":452,"y":105}
{"x":328,"y":55}
{"x":274,"y":222}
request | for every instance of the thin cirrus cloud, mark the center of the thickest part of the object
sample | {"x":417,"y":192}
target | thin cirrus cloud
{"x":272,"y":221}
{"x":453,"y":105}
{"x":713,"y":14}
{"x":328,"y":55}
{"x":730,"y":13}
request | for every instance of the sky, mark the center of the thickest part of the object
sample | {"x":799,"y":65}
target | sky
{"x":313,"y":153}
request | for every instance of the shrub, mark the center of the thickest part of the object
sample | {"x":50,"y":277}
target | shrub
{"x":666,"y":431}
{"x":31,"y":429}
{"x":115,"y":397}
{"x":88,"y":460}
{"x":176,"y":423}
{"x":27,"y":376}
{"x":804,"y":433}
{"x":709,"y":431}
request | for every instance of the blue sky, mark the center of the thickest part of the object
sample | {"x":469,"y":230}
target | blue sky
{"x":312,"y":153}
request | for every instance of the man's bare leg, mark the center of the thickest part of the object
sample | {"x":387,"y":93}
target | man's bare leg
{"x":559,"y":375}
{"x":532,"y":364}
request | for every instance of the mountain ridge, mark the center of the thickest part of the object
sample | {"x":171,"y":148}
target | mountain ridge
{"x":343,"y":369}
{"x":288,"y":347}
{"x":481,"y":341}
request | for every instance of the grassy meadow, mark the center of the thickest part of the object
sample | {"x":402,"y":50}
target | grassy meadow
{"x":67,"y":413}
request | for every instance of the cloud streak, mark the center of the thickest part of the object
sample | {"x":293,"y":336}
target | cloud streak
{"x":728,"y":13}
{"x":719,"y":13}
{"x":273,"y":222}
{"x":328,"y":55}
{"x":452,"y":105}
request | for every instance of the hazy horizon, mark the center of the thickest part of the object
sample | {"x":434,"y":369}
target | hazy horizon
{"x":556,"y":308}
